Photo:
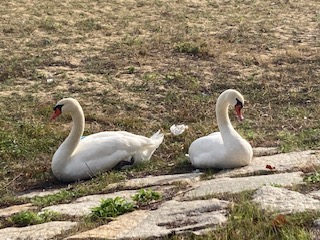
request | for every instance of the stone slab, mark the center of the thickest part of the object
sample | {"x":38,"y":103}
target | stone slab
{"x":82,"y":206}
{"x":171,"y":217}
{"x":150,"y":181}
{"x":284,"y":162}
{"x":315,"y":194}
{"x":265,"y":151}
{"x":42,"y":231}
{"x":234,"y":185}
{"x":6,"y":212}
{"x":284,"y":201}
{"x":40,"y":193}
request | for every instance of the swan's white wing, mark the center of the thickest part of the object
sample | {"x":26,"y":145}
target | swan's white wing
{"x":92,"y":148}
{"x":217,"y":134}
{"x":95,"y":155}
{"x":114,"y":134}
{"x":206,"y":152}
{"x":145,"y":151}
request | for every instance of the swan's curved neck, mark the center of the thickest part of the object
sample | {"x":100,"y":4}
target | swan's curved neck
{"x":223,"y":120}
{"x":228,"y":133}
{"x":70,"y":144}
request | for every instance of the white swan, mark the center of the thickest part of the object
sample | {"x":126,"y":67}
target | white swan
{"x":224,"y":149}
{"x":78,"y":159}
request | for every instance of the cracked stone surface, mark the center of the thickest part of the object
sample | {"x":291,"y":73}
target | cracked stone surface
{"x":265,"y":151}
{"x":171,"y":216}
{"x":183,"y":213}
{"x":315,"y":194}
{"x":233,"y":185}
{"x":150,"y":181}
{"x":36,"y":232}
{"x":82,"y":206}
{"x":284,"y":201}
{"x":40,"y":193}
{"x":6,"y":212}
{"x":284,"y":162}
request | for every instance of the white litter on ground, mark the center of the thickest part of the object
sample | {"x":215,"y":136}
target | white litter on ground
{"x":178,"y":129}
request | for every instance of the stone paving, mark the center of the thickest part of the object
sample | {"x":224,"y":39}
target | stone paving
{"x":195,"y":209}
{"x":284,"y":201}
{"x":171,"y":217}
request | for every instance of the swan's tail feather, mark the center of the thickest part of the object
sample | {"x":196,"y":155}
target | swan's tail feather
{"x":158,"y":138}
{"x":146,"y":154}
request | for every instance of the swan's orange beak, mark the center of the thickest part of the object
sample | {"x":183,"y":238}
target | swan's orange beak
{"x":238,"y":108}
{"x":55,"y":114}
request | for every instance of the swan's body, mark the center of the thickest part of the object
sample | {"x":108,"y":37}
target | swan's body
{"x":224,"y":149}
{"x":78,"y":159}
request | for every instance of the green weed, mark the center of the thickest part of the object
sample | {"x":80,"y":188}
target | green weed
{"x":313,"y":178}
{"x":59,"y":197}
{"x":131,"y":69}
{"x":144,"y":196}
{"x":26,"y":218}
{"x":188,"y":47}
{"x":111,"y":208}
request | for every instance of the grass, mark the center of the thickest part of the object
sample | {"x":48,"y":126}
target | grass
{"x":248,"y":221}
{"x":145,"y":196}
{"x":144,"y":65}
{"x":61,"y":196}
{"x":27,"y":218}
{"x":111,"y":208}
{"x":247,"y":215}
{"x":313,"y":178}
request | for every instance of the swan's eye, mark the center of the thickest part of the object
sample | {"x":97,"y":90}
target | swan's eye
{"x":58,"y":107}
{"x":239,"y":103}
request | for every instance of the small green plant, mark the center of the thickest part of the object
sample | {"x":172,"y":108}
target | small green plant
{"x":189,"y":48}
{"x":111,"y":207}
{"x":276,"y":185}
{"x":314,"y":178}
{"x":131,"y":69}
{"x":146,"y":196}
{"x":59,"y":197}
{"x":26,"y":218}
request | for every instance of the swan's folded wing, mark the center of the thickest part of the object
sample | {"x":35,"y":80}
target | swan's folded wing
{"x":204,"y":152}
{"x":115,"y":134}
{"x":216,"y":134}
{"x":100,"y":154}
{"x":110,"y":147}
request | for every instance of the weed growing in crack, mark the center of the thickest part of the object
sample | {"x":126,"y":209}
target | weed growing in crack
{"x":145,"y":196}
{"x":63,"y":195}
{"x":111,"y":208}
{"x":26,"y":218}
{"x":314,"y":178}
